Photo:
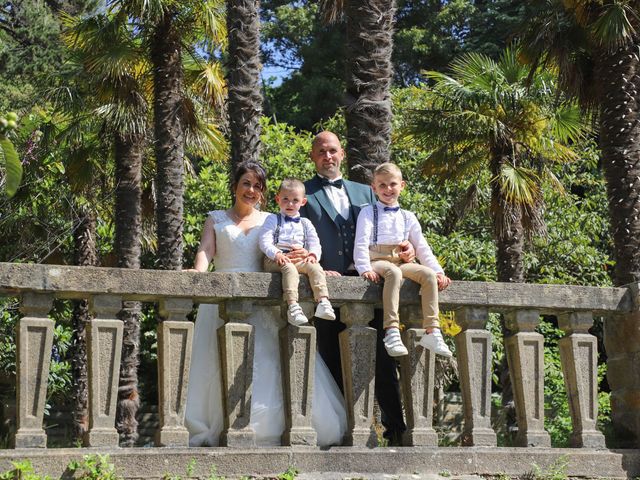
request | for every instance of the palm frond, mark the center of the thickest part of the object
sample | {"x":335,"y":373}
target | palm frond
{"x":205,"y":78}
{"x":212,"y":21}
{"x":613,"y":27}
{"x":567,"y":123}
{"x":522,"y":193}
{"x":453,"y":161}
{"x":332,"y":10}
{"x":519,"y":185}
{"x":202,"y":135}
{"x":512,"y":69}
{"x":150,"y":10}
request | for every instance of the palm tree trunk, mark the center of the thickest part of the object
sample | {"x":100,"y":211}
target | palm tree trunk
{"x":620,"y":147}
{"x":619,"y":142}
{"x":369,"y":74}
{"x":84,"y":239}
{"x":169,"y":141}
{"x":128,"y":155}
{"x":509,"y":237}
{"x":243,"y":79}
{"x":507,"y":228}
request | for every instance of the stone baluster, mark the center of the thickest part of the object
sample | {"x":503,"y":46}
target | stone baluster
{"x":579,"y":357}
{"x":473,"y":346}
{"x":417,"y":382}
{"x":175,"y":341}
{"x":34,"y":342}
{"x":358,"y":354}
{"x":104,"y":350}
{"x":622,"y":344}
{"x":525,"y":356}
{"x":236,"y":341}
{"x":298,"y":360}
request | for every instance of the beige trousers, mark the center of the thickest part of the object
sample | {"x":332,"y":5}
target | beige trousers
{"x":291,"y":278}
{"x":386,"y":262}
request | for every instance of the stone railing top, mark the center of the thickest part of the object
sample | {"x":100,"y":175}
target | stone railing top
{"x":149,"y":285}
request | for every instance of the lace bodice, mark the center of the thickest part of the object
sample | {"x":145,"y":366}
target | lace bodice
{"x":235,"y":250}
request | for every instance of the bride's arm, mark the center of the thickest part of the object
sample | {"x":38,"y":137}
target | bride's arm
{"x":207,"y":248}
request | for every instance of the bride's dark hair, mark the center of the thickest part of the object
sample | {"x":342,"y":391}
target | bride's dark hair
{"x":259,"y":171}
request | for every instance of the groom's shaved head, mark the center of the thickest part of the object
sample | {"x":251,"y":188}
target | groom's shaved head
{"x":324,"y":136}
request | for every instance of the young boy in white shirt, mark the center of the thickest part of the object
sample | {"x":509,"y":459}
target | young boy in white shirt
{"x":285,"y":231}
{"x":379,"y":231}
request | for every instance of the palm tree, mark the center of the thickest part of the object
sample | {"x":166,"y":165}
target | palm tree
{"x":85,"y":254}
{"x":171,"y":28}
{"x":79,"y":146}
{"x":368,"y":82}
{"x":109,"y":79}
{"x":111,"y":61}
{"x":243,"y":79}
{"x":595,"y":46}
{"x":494,"y":115}
{"x":490,"y":114}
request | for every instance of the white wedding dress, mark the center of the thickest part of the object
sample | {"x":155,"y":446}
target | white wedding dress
{"x":237,"y":252}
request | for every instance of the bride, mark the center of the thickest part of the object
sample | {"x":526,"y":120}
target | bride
{"x":230,"y":239}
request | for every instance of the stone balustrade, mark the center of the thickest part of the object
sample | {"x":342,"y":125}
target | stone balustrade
{"x":238,"y":293}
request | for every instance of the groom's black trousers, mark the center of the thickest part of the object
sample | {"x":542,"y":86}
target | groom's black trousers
{"x":387,"y":385}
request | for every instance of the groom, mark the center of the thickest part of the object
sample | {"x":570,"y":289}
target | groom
{"x":333,"y":205}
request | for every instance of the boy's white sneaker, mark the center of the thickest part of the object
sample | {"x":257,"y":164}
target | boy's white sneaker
{"x":295,"y":315}
{"x":393,"y":343}
{"x":434,"y":341}
{"x":324,"y":310}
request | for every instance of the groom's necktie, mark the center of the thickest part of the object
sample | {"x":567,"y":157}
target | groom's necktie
{"x":331,"y":183}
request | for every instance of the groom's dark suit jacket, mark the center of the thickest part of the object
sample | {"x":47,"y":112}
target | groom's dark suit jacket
{"x":336,"y":234}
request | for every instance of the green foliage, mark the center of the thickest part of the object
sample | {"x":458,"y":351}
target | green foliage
{"x":9,"y":160}
{"x":31,"y":52}
{"x":556,"y":471}
{"x":22,"y":470}
{"x":295,"y":38}
{"x":93,"y":467}
{"x":290,"y":474}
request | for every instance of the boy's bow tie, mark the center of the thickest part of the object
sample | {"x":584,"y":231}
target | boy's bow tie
{"x":332,"y":183}
{"x":391,"y":209}
{"x":287,"y":218}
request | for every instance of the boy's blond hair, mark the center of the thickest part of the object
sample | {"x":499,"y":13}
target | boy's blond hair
{"x":291,"y":184}
{"x":387,"y":168}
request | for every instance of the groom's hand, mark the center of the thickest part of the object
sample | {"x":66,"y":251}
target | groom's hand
{"x":407,"y":252}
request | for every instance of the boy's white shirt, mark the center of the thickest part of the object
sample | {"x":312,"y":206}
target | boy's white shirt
{"x":291,"y":233}
{"x":391,"y":231}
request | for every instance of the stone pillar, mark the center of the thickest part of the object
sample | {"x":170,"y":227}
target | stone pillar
{"x":33,"y":357}
{"x":175,"y":342}
{"x":622,"y":344}
{"x":525,"y":356}
{"x":473,"y":347}
{"x":236,"y":341}
{"x":358,"y":353}
{"x":298,"y":360}
{"x":104,"y":350}
{"x":417,"y":383}
{"x":579,"y":357}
